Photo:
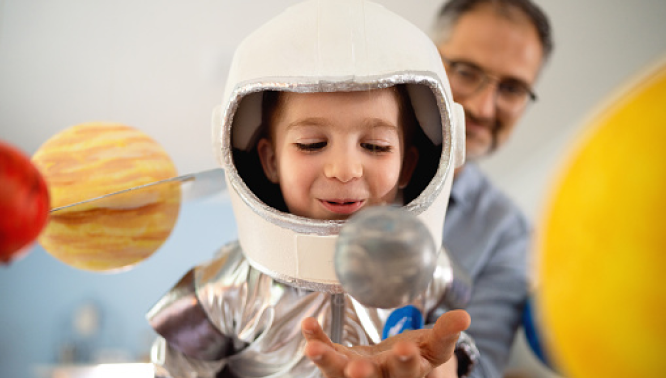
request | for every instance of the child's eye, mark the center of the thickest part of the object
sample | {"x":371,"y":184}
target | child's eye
{"x":310,"y":146}
{"x":376,"y":148}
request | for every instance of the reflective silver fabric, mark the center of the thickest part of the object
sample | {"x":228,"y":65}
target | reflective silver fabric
{"x":261,"y":318}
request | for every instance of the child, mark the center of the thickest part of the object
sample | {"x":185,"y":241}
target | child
{"x":331,"y":107}
{"x":331,"y":163}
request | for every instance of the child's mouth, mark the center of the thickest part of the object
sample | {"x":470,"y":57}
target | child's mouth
{"x":345,"y":206}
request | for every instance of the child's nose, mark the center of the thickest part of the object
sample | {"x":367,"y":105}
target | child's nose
{"x":344,"y":167}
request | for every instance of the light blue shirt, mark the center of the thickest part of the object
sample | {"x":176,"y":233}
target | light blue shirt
{"x":488,"y":236}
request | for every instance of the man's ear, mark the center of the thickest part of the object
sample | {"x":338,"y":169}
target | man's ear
{"x":408,"y":166}
{"x":268,"y":162}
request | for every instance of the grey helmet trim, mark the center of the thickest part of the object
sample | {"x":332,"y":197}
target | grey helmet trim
{"x":416,"y":83}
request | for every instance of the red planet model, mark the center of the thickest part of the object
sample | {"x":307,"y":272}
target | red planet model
{"x":24,"y":203}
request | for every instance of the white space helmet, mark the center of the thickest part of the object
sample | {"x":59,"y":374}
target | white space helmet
{"x":325,"y":46}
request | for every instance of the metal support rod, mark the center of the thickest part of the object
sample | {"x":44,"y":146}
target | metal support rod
{"x":337,"y":317}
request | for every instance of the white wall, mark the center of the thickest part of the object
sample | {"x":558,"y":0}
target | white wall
{"x":160,"y":66}
{"x":157,"y":65}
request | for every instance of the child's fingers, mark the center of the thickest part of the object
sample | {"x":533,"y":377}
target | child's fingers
{"x":311,"y":330}
{"x":452,"y":323}
{"x":442,"y":341}
{"x":404,"y":360}
{"x":331,"y":363}
{"x":361,"y":368}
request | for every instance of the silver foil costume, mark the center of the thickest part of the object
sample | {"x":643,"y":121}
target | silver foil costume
{"x":239,"y":314}
{"x":262,"y":316}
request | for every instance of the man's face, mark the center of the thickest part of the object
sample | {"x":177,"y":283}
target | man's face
{"x":335,"y":153}
{"x":508,"y":50}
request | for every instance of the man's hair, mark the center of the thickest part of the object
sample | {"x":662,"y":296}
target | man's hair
{"x":452,"y":10}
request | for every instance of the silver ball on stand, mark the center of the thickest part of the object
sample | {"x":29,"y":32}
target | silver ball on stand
{"x":385,"y":257}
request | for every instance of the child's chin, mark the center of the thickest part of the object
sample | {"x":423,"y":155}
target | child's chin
{"x":340,"y":217}
{"x":330,"y":216}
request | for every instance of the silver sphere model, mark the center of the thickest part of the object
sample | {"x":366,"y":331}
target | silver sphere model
{"x":385,"y":257}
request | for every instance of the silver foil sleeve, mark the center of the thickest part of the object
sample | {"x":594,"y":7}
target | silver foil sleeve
{"x":180,"y":319}
{"x":467,"y":354}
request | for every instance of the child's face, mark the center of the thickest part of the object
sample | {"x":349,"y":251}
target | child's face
{"x":335,"y":153}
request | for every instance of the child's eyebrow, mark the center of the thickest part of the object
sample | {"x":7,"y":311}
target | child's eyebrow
{"x":309,"y":121}
{"x":370,"y":123}
{"x":379,"y":123}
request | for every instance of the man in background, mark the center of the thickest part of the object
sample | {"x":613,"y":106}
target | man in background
{"x":493,"y":52}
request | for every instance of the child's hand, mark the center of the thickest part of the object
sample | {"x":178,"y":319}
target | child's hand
{"x":409,"y":354}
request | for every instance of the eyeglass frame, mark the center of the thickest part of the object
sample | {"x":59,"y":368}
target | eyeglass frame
{"x":487,"y":78}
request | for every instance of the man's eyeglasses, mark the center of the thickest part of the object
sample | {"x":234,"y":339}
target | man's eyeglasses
{"x":467,"y":79}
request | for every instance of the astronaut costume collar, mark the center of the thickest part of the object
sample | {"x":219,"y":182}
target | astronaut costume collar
{"x":357,"y":46}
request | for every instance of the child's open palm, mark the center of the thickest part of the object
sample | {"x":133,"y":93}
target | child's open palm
{"x":411,"y":354}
